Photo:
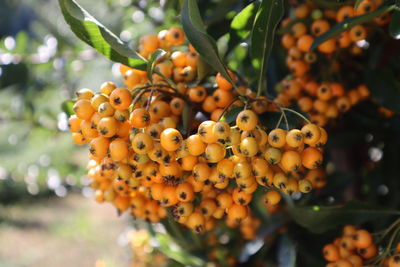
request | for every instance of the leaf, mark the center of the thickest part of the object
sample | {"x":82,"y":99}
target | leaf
{"x":385,"y":87}
{"x":92,"y":32}
{"x":176,"y":252}
{"x":394,"y":26}
{"x":349,"y":23}
{"x":357,"y":3}
{"x":329,"y":4}
{"x":241,"y":24}
{"x":21,"y":41}
{"x":230,"y":115}
{"x":319,"y":219}
{"x":286,"y":252}
{"x":262,"y":36}
{"x":203,"y":69}
{"x":68,"y":107}
{"x":155,"y":57}
{"x":204,"y":44}
{"x":186,"y":118}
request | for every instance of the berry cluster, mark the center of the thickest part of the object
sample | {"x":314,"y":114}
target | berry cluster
{"x":321,"y":97}
{"x":356,"y":248}
{"x":141,"y":161}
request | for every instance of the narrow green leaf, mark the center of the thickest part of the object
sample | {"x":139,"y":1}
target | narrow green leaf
{"x":262,"y":37}
{"x":394,"y":26}
{"x":21,"y":41}
{"x":230,"y":115}
{"x":319,"y":219}
{"x":329,"y":4}
{"x":348,"y":24}
{"x":203,"y":69}
{"x":186,"y":117}
{"x":357,"y":3}
{"x":155,"y":57}
{"x":92,"y":32}
{"x":241,"y":24}
{"x":67,"y":107}
{"x":204,"y":44}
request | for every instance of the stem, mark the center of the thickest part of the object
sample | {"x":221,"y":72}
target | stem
{"x":280,"y":120}
{"x":297,"y":113}
{"x":149,"y":100}
{"x":168,"y":80}
{"x":227,"y":107}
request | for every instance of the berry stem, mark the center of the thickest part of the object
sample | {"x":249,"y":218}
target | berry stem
{"x":297,"y":113}
{"x":226,"y":108}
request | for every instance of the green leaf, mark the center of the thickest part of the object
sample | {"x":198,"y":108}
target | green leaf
{"x":230,"y":115}
{"x":21,"y":41}
{"x":286,"y":251}
{"x":357,"y":3}
{"x":384,"y":87}
{"x":329,"y":4}
{"x":241,"y":24}
{"x":203,"y":69}
{"x":319,"y":219}
{"x":262,"y":37}
{"x":155,"y":57}
{"x":348,"y":24}
{"x":92,"y":32}
{"x":204,"y":44}
{"x":394,"y":26}
{"x":68,"y":107}
{"x":186,"y":117}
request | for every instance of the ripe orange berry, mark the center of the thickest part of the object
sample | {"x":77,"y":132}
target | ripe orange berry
{"x":98,"y":147}
{"x":272,"y":197}
{"x":311,"y":158}
{"x":197,"y":94}
{"x":362,"y":239}
{"x":304,"y":43}
{"x":139,"y":118}
{"x":175,"y":36}
{"x":170,"y":139}
{"x":331,"y":253}
{"x":118,"y":149}
{"x":107,"y":126}
{"x":196,"y":222}
{"x":79,"y":139}
{"x":294,"y":138}
{"x":237,"y":213}
{"x":358,"y":33}
{"x":277,"y":138}
{"x":185,"y":192}
{"x":273,"y":155}
{"x":369,"y":252}
{"x":142,"y":143}
{"x":74,"y":123}
{"x":311,"y":133}
{"x":288,"y":41}
{"x":107,"y":87}
{"x":120,"y":98}
{"x":291,"y":160}
{"x":345,"y":12}
{"x":83,"y":109}
{"x":319,"y":26}
{"x":206,"y":132}
{"x":214,"y":152}
{"x":223,"y":83}
{"x":247,"y":120}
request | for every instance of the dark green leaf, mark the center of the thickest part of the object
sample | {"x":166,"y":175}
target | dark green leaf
{"x":186,"y":117}
{"x":203,"y":69}
{"x":357,"y":3}
{"x":204,"y":44}
{"x":329,"y":4}
{"x":230,"y":115}
{"x":385,"y":88}
{"x":67,"y":107}
{"x":92,"y":32}
{"x":348,"y":24}
{"x":241,"y":24}
{"x":319,"y":219}
{"x":286,"y":252}
{"x":262,"y":37}
{"x":394,"y":26}
{"x":155,"y":57}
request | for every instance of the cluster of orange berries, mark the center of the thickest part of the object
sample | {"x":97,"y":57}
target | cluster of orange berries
{"x":356,"y":248}
{"x":139,"y":160}
{"x":323,"y":100}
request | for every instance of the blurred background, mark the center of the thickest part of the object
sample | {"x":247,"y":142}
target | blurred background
{"x":44,"y":208}
{"x":46,"y":204}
